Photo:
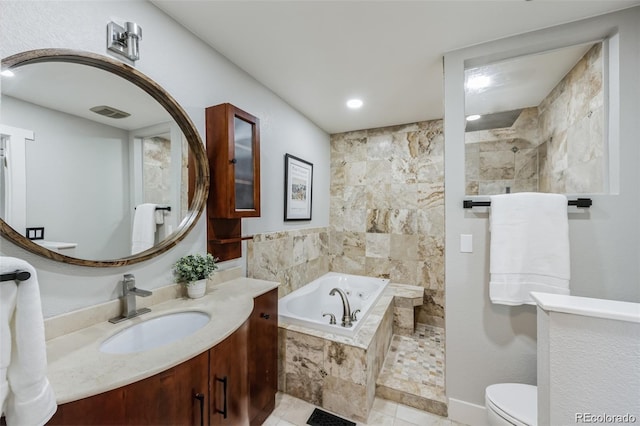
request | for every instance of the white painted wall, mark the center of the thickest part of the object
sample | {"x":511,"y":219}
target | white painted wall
{"x":91,"y":164}
{"x":587,"y":366}
{"x":489,"y":343}
{"x":197,"y":77}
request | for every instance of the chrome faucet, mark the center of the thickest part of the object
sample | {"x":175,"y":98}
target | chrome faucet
{"x":129,"y":293}
{"x":346,"y":309}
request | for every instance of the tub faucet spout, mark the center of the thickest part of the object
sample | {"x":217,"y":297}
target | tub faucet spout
{"x":346,"y":309}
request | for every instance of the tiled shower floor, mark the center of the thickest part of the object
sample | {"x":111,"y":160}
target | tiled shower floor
{"x":413,"y":371}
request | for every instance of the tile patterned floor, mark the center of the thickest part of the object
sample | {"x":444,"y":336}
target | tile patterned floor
{"x":291,"y":411}
{"x":420,"y":357}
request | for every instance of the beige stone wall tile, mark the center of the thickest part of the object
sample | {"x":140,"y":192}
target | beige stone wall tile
{"x":380,"y":147}
{"x":345,"y":362}
{"x":378,"y":172}
{"x":354,"y":197}
{"x":403,"y":221}
{"x":347,"y":398}
{"x":377,"y":245}
{"x":304,"y":366}
{"x":432,"y":312}
{"x":404,"y":195}
{"x":379,"y":196}
{"x":404,"y":271}
{"x":378,"y":267}
{"x":355,"y":220}
{"x":378,"y":220}
{"x":349,"y":265}
{"x":404,"y":247}
{"x":355,"y":173}
{"x":404,"y":216}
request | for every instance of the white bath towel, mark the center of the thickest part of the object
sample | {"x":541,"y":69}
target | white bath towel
{"x":143,"y":235}
{"x":26,"y":397}
{"x":529,"y":247}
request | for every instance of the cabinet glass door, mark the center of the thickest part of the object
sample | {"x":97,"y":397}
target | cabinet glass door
{"x":244,"y":179}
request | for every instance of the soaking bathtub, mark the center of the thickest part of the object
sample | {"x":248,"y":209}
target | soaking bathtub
{"x":306,"y":306}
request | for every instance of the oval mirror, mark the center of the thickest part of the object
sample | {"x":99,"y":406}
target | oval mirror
{"x":89,"y":147}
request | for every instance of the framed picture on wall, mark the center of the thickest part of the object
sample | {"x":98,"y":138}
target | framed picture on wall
{"x":298,"y":185}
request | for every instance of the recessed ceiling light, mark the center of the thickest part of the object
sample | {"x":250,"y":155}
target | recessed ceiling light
{"x":473,"y":117}
{"x":7,"y":73}
{"x":478,"y":82}
{"x":354,"y":103}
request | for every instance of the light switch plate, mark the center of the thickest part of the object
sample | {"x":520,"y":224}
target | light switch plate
{"x":466,"y":243}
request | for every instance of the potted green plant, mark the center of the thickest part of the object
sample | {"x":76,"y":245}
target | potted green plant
{"x":193,"y":270}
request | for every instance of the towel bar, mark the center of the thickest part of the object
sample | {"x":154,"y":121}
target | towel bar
{"x":167,"y":208}
{"x":580,"y":203}
{"x":15,"y":276}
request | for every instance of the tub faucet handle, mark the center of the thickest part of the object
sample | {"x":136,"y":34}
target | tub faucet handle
{"x":332,"y":318}
{"x":354,"y":315}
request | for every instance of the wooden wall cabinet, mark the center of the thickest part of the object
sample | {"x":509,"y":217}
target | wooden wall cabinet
{"x":233,"y":383}
{"x":233,"y":149}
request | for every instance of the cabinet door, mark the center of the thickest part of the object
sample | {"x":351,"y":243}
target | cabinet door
{"x":228,"y":380}
{"x":233,"y":148}
{"x":168,"y":398}
{"x":263,"y":356}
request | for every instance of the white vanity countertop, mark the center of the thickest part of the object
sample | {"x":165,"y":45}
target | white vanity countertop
{"x":587,"y":306}
{"x":77,"y":369}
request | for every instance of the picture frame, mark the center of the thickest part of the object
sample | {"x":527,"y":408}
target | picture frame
{"x":298,"y":188}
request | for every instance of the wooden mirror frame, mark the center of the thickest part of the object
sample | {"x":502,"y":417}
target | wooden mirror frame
{"x":198,"y":163}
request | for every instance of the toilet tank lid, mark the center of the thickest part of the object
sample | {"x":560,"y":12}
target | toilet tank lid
{"x":518,"y":400}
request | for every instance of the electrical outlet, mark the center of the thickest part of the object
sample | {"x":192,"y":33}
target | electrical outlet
{"x":36,"y":233}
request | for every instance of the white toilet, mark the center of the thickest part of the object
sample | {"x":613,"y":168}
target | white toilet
{"x":512,"y":404}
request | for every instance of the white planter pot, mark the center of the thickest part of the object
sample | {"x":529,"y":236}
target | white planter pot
{"x":197,"y":289}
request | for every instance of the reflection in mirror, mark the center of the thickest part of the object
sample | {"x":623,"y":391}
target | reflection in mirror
{"x":82,"y":148}
{"x":537,"y":123}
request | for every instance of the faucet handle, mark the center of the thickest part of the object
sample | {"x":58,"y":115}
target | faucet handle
{"x":354,"y":315}
{"x":332,"y":318}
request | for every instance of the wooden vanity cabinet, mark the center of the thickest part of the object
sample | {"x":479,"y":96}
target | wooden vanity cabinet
{"x":168,"y":398}
{"x":238,"y":377}
{"x":263,"y":357}
{"x":228,"y":380}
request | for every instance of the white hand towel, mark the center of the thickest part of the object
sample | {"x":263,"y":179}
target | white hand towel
{"x":26,"y":397}
{"x":143,"y":235}
{"x":529,"y":247}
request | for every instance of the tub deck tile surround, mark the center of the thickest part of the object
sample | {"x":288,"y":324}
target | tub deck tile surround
{"x":340,"y":373}
{"x":337,"y":372}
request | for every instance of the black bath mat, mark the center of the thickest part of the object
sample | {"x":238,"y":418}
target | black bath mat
{"x":322,"y":418}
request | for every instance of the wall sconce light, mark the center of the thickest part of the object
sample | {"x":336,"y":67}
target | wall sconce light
{"x":124,"y":40}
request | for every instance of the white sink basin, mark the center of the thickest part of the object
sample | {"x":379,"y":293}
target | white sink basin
{"x":154,"y":332}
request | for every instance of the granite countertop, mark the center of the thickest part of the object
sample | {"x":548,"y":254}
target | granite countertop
{"x":77,"y":369}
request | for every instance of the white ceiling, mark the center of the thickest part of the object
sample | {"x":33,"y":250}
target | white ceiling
{"x":75,"y":89}
{"x":318,"y":54}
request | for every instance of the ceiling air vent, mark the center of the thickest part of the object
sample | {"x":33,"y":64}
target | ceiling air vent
{"x":108,"y":111}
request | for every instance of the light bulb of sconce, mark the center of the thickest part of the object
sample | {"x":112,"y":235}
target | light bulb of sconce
{"x":473,"y":117}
